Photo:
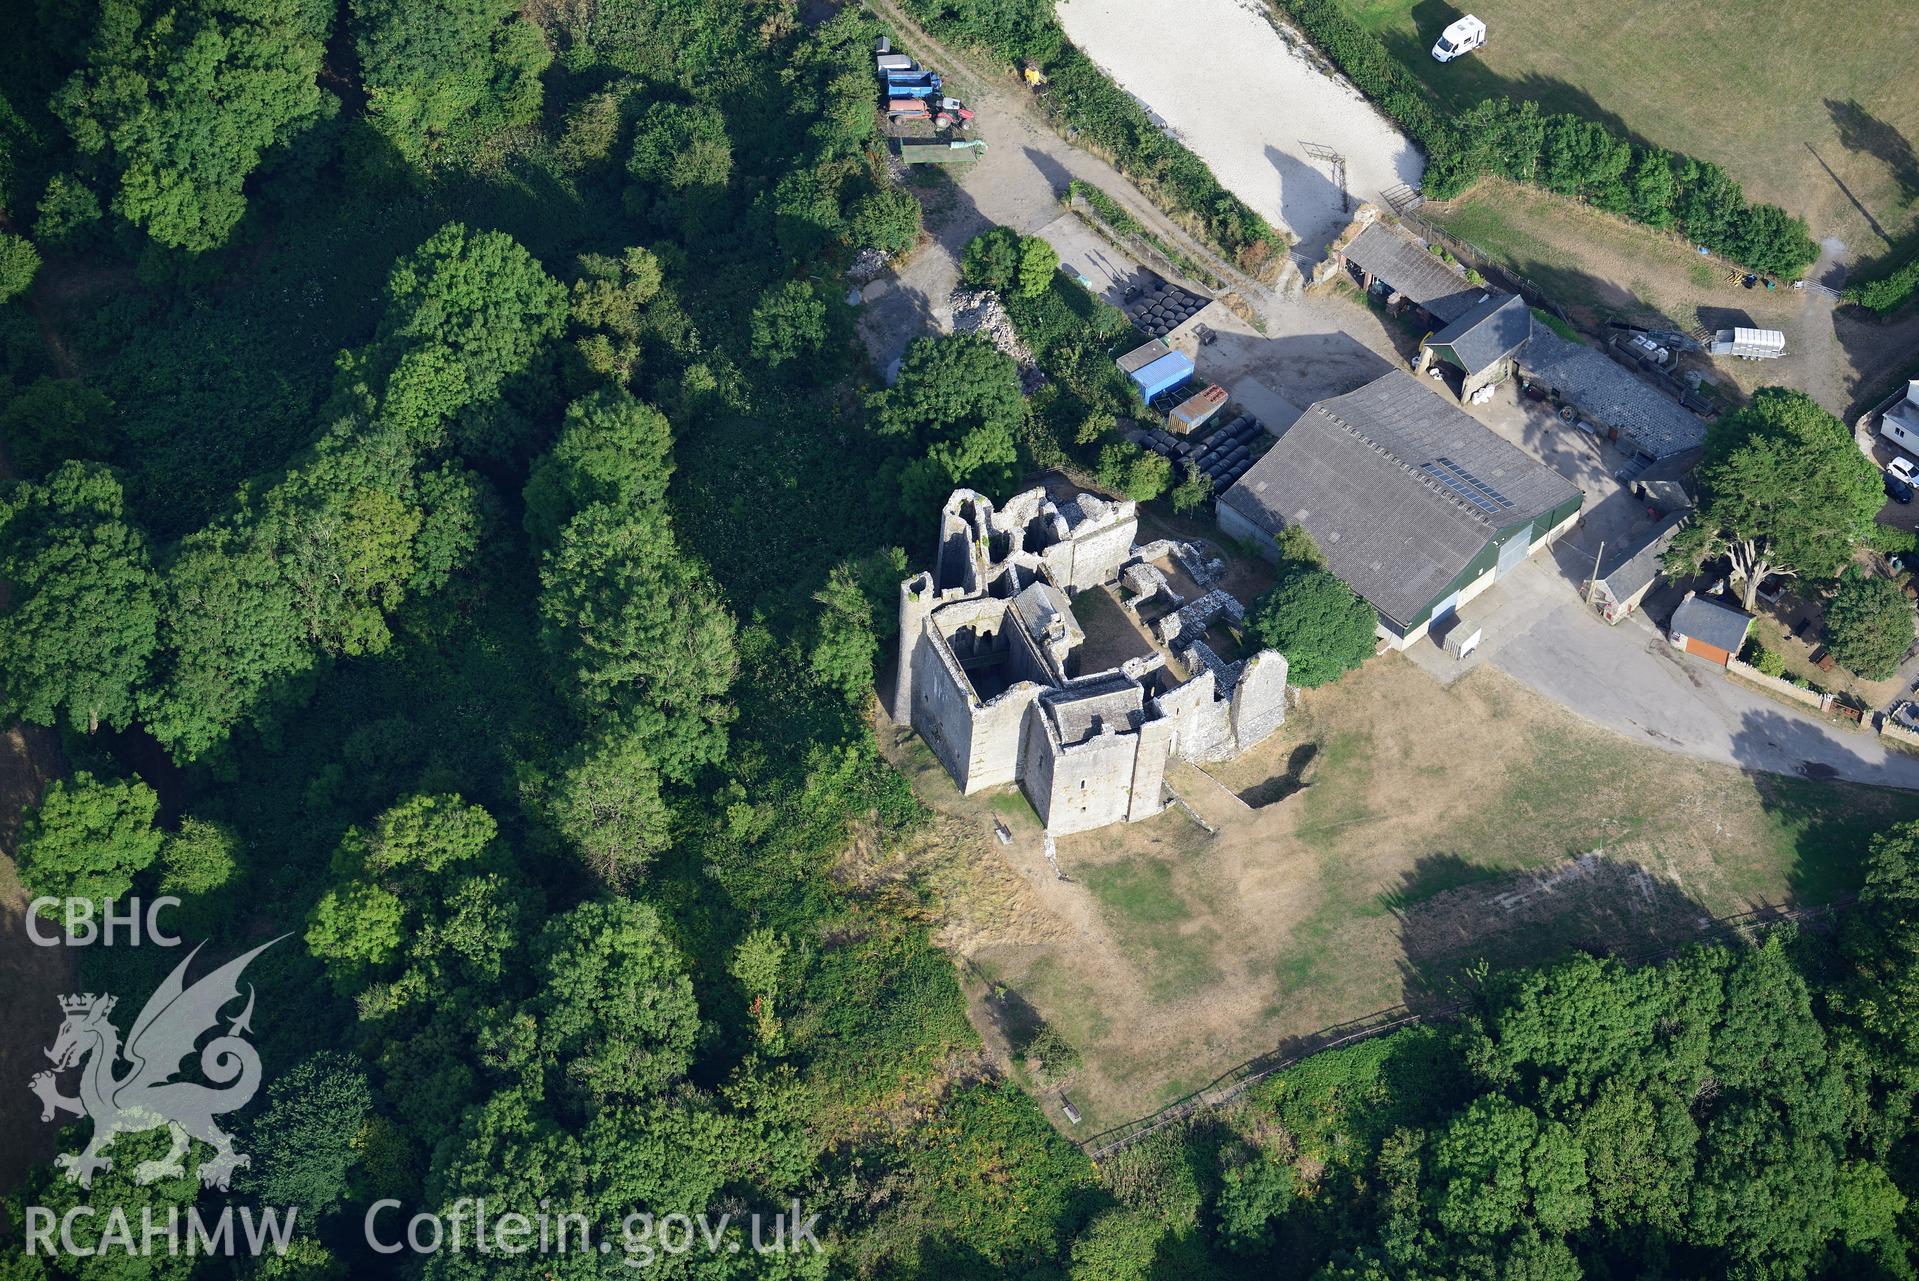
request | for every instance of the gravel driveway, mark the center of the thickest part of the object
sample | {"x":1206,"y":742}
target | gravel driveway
{"x":1018,"y":183}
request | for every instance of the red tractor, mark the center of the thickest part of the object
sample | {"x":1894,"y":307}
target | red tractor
{"x":951,"y":113}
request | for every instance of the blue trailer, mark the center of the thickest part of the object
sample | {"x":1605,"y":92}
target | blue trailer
{"x":1164,"y":374}
{"x":918,"y":84}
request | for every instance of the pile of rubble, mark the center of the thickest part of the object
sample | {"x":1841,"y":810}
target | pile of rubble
{"x":867,"y":266}
{"x":978,"y":311}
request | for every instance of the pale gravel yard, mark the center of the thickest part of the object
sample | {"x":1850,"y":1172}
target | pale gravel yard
{"x":1220,"y":75}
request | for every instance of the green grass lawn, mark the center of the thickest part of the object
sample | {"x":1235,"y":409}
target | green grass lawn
{"x":1138,"y":899}
{"x":1341,"y":794}
{"x":1017,"y":811}
{"x":1505,"y":224}
{"x":1776,"y":93}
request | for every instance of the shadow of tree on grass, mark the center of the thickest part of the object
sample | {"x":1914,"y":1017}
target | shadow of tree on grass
{"x":1454,"y":914}
{"x":1861,"y":131}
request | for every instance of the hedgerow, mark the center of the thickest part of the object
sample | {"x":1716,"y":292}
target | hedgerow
{"x":1370,"y":65}
{"x":1890,"y":291}
{"x":1121,"y":223}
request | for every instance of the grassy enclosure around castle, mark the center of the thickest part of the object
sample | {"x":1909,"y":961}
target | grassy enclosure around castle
{"x":1371,"y":863}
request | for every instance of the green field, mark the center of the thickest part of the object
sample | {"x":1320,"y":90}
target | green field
{"x":1810,"y":106}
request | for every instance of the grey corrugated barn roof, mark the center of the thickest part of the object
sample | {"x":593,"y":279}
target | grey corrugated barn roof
{"x":1612,"y":395}
{"x":1490,"y":330}
{"x":1404,"y":263}
{"x":1634,"y":569}
{"x":1705,"y":619}
{"x":1399,"y":489}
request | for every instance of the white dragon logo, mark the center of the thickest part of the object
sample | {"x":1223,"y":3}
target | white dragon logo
{"x":144,"y":1098}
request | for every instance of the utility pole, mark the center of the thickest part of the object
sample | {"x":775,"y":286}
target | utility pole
{"x":1592,"y":585}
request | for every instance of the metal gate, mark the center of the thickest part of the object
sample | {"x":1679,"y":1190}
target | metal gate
{"x":1512,"y":553}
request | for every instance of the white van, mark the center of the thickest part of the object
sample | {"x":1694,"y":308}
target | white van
{"x":1462,"y":37}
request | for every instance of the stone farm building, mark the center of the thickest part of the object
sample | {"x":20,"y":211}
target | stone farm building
{"x":1412,"y":502}
{"x":1484,"y":343}
{"x":1001,"y":679}
{"x":1383,"y":258}
{"x":1623,"y":407}
{"x":1629,"y":574}
{"x":1487,"y":335}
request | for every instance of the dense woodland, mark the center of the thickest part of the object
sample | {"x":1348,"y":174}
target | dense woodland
{"x":453,"y":525}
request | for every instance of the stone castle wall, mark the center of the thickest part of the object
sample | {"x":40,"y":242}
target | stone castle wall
{"x":959,"y":634}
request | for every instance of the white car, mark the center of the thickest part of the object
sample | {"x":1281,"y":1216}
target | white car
{"x":1902,"y":468}
{"x":1461,"y":37}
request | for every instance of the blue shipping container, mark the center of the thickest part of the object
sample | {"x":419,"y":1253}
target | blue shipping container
{"x":1163,"y":374}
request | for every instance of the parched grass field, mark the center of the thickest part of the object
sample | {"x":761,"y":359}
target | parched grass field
{"x":1810,"y":106}
{"x":1600,"y":267}
{"x":1400,"y":832}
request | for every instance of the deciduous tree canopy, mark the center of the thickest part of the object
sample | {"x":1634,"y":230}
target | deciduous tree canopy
{"x":958,"y":400}
{"x":81,"y":627}
{"x":175,"y":104}
{"x":1316,"y":621}
{"x":1870,"y":624}
{"x":508,"y":598}
{"x":446,"y":72}
{"x":88,"y":838}
{"x":1786,"y":492}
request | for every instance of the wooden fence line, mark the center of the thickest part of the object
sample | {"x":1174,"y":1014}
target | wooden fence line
{"x":1484,"y":262}
{"x":1235,"y":1081}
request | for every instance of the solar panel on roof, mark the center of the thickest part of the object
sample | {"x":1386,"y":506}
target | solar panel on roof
{"x":1466,"y":485}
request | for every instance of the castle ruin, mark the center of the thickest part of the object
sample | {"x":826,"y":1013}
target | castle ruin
{"x":992,"y":658}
